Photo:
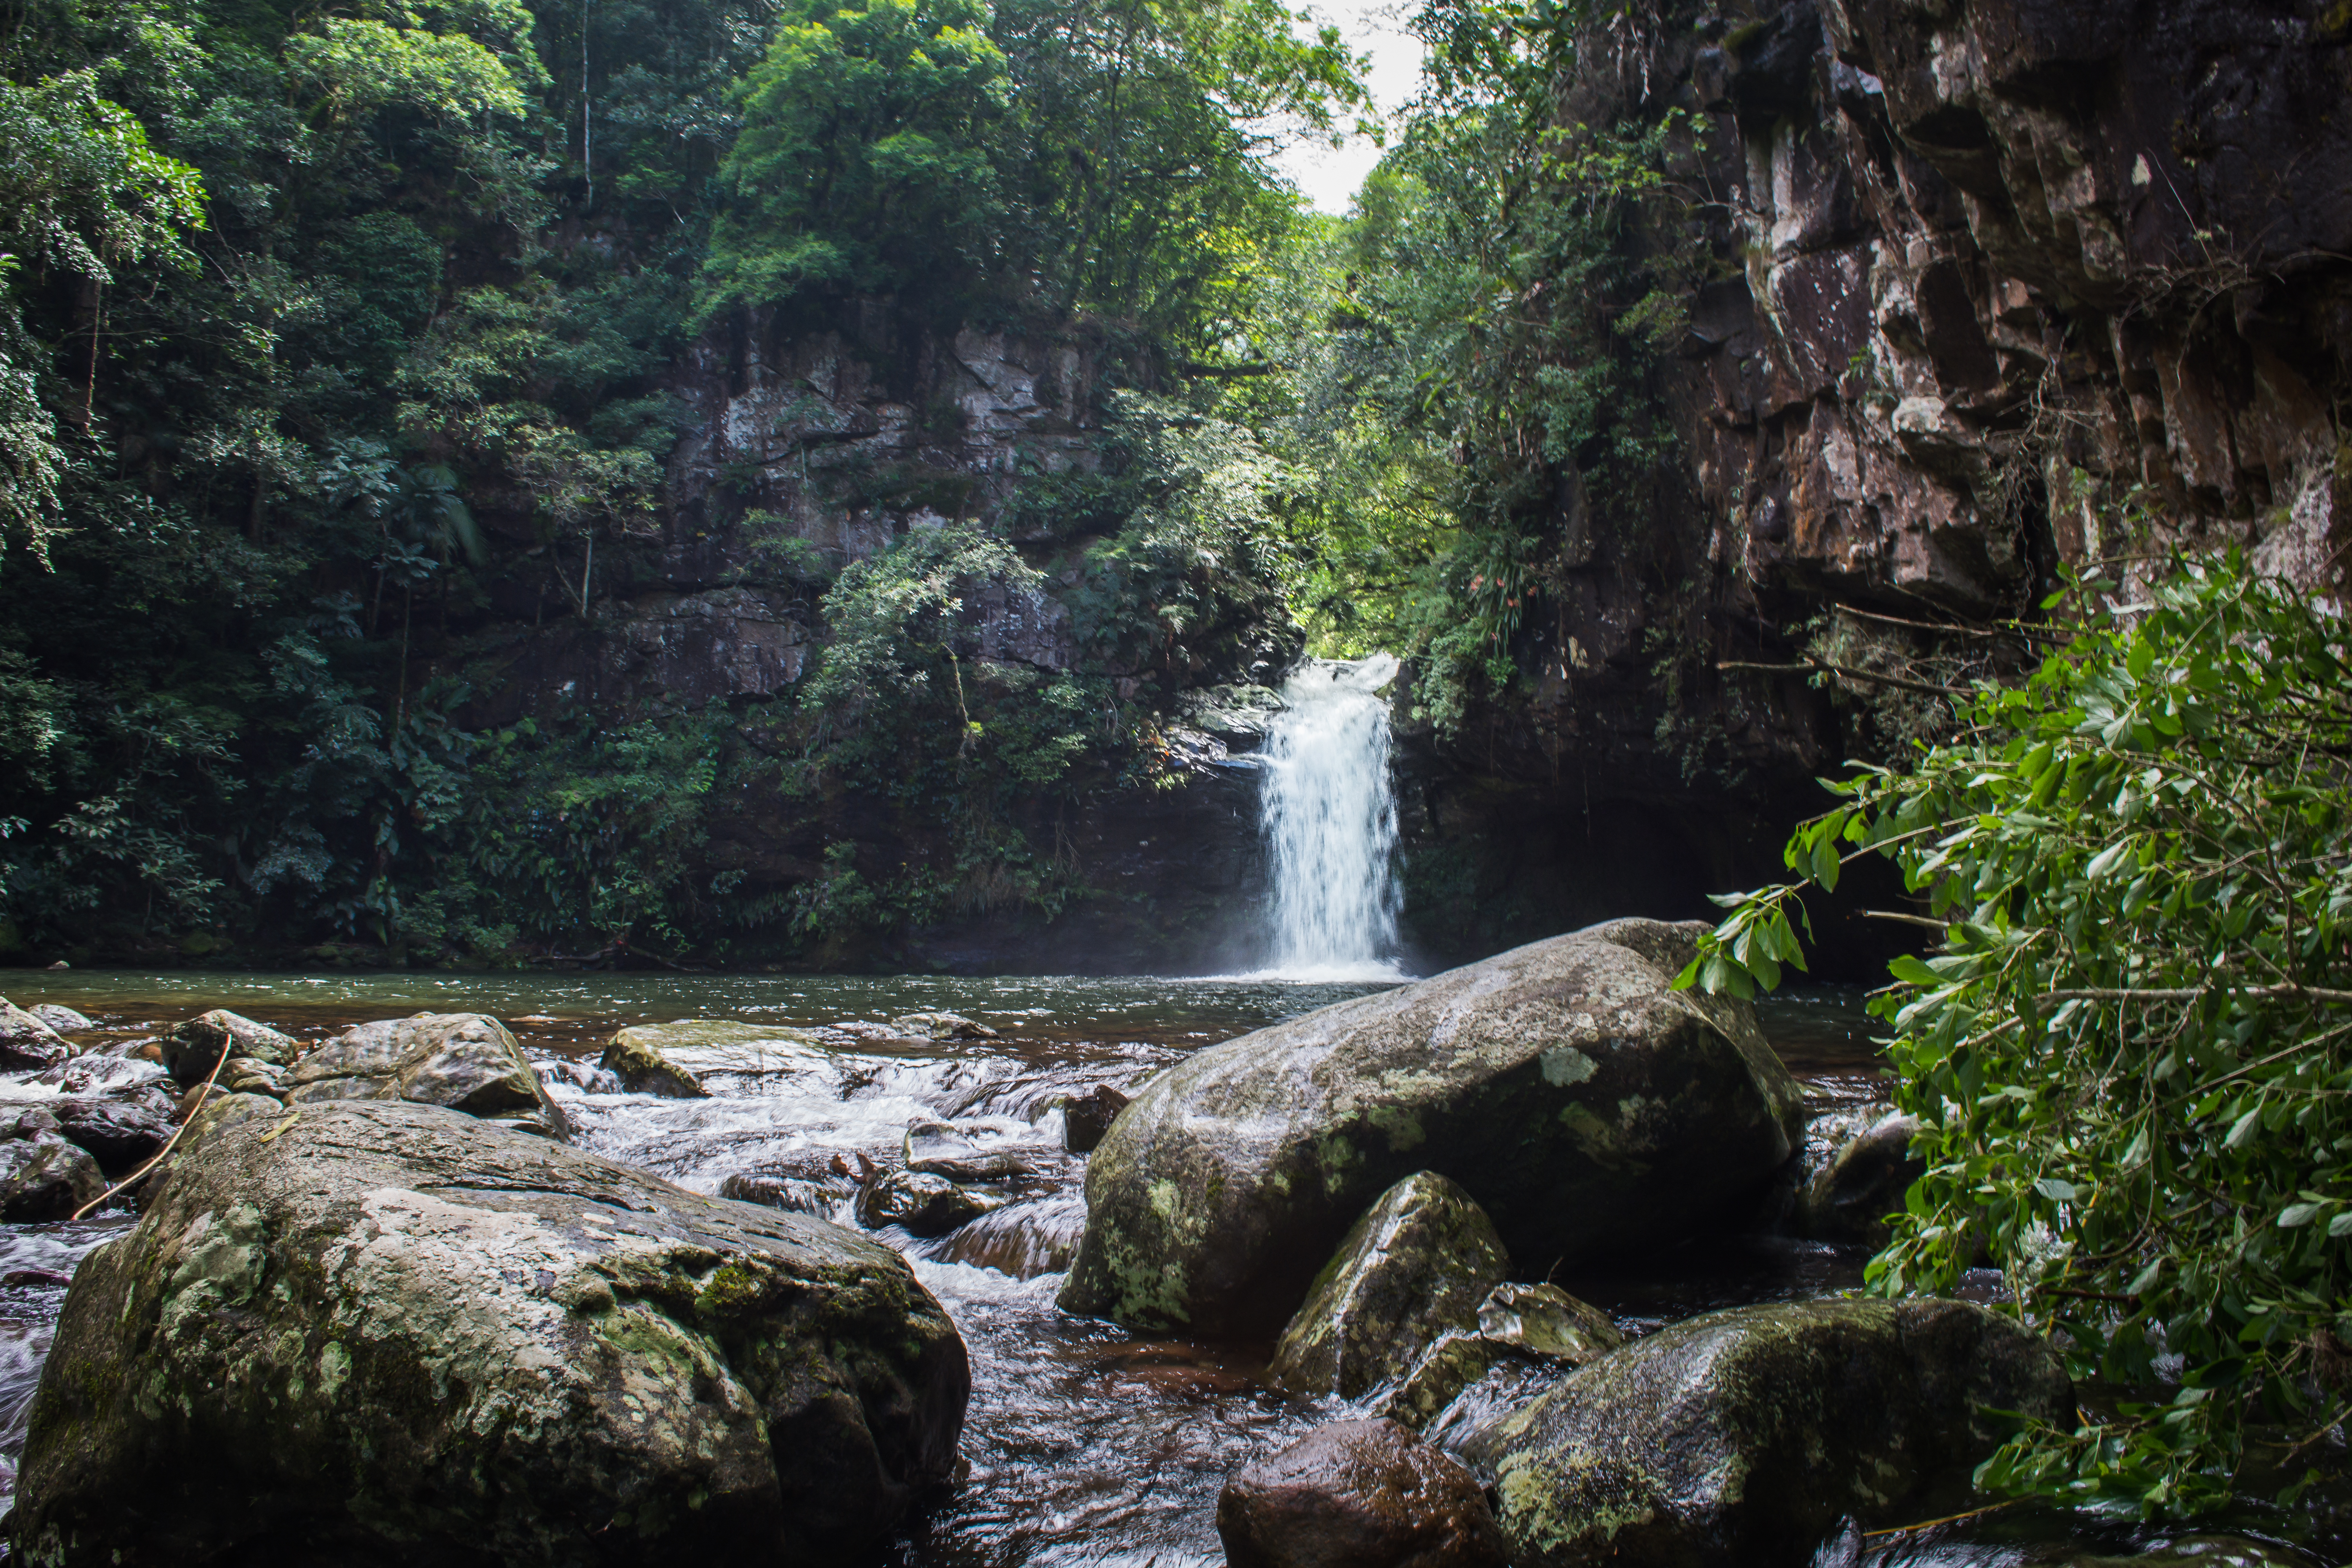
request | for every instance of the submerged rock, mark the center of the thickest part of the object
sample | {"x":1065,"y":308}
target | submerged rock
{"x":1583,"y":1102}
{"x":192,"y":1047}
{"x":25,"y":1042}
{"x":1863,"y":1180}
{"x":1416,"y":1266}
{"x":941,"y":1026}
{"x":1745,"y":1435}
{"x":42,"y":1176}
{"x":63,"y":1019}
{"x":1085,"y":1118}
{"x":1023,"y":1239}
{"x":919,"y":1202}
{"x":1357,"y":1494}
{"x":635,"y":1057}
{"x":466,"y":1061}
{"x":1539,"y":1326}
{"x":379,"y":1331}
{"x":818,"y":1195}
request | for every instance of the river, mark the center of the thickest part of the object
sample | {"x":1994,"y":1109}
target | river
{"x":1087,"y":1444}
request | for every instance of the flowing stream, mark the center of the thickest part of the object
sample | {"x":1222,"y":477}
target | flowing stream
{"x":1330,"y":823}
{"x":1087,"y":1444}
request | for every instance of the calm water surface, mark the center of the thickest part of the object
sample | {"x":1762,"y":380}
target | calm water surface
{"x":1087,"y":1444}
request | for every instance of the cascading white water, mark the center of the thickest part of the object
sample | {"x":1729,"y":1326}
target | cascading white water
{"x":1328,"y":813}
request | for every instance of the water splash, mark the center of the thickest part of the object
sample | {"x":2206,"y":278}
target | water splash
{"x":1329,"y":818}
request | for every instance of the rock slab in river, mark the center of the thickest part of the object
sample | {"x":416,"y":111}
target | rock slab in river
{"x":1745,"y":1435}
{"x":193,"y":1047}
{"x":1540,"y":1325}
{"x":42,"y":1176}
{"x":690,"y":1050}
{"x":1357,"y":1494}
{"x":1583,"y":1102}
{"x":466,"y":1061}
{"x":1415,"y":1268}
{"x":1085,"y":1118}
{"x":395,"y":1333}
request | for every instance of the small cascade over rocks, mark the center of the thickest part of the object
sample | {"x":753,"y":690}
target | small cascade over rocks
{"x":1328,"y":814}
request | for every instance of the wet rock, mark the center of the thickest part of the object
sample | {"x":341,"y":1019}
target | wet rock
{"x":118,"y":1130}
{"x":821,"y":1196}
{"x":1583,"y":1103}
{"x":395,"y":1333}
{"x":1085,"y":1118}
{"x":941,"y":1026}
{"x":1416,"y":1266}
{"x":918,"y":1202}
{"x":1022,"y":1240}
{"x":1863,"y":1181}
{"x":466,"y":1061}
{"x":634,"y":1056}
{"x":1540,"y":1326}
{"x":25,"y":1042}
{"x":1357,"y":1494}
{"x":63,"y":1019}
{"x":942,"y":1149}
{"x":42,"y":1176}
{"x":190,"y":1050}
{"x":1745,"y":1435}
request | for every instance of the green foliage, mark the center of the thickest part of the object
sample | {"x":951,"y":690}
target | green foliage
{"x":2131,"y":1057}
{"x":863,"y":163}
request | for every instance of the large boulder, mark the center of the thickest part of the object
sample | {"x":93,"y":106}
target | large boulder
{"x":1415,"y":1268}
{"x":25,"y":1042}
{"x":194,"y":1047}
{"x":635,"y":1057}
{"x":1357,"y":1494}
{"x":1745,"y":1435}
{"x":1583,"y":1103}
{"x":378,"y":1331}
{"x":466,"y":1061}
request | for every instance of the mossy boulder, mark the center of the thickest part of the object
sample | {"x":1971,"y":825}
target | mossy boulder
{"x":1746,"y":1436}
{"x":374,"y":1331}
{"x":194,"y":1047}
{"x":1415,"y":1268}
{"x":466,"y":1061}
{"x":1587,"y":1106}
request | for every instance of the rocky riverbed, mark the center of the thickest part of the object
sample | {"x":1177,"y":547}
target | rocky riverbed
{"x":955,"y":1127}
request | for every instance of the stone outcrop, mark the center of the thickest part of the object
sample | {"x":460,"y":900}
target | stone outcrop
{"x":466,"y":1061}
{"x":42,"y":1176}
{"x":1746,"y":1436}
{"x":1357,"y":1494}
{"x":376,"y":1330}
{"x":1582,"y":1103}
{"x":1415,"y":1268}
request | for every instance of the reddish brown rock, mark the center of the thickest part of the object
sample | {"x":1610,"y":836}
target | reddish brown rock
{"x":1358,"y":1494}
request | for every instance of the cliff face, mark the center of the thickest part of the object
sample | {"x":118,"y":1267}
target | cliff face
{"x":1985,"y":287}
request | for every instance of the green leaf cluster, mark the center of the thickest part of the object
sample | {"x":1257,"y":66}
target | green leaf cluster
{"x":2131,"y":1054}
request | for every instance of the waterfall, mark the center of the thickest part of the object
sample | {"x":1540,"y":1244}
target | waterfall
{"x":1328,"y":813}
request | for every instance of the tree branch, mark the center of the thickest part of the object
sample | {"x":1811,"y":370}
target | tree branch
{"x":1815,"y":666}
